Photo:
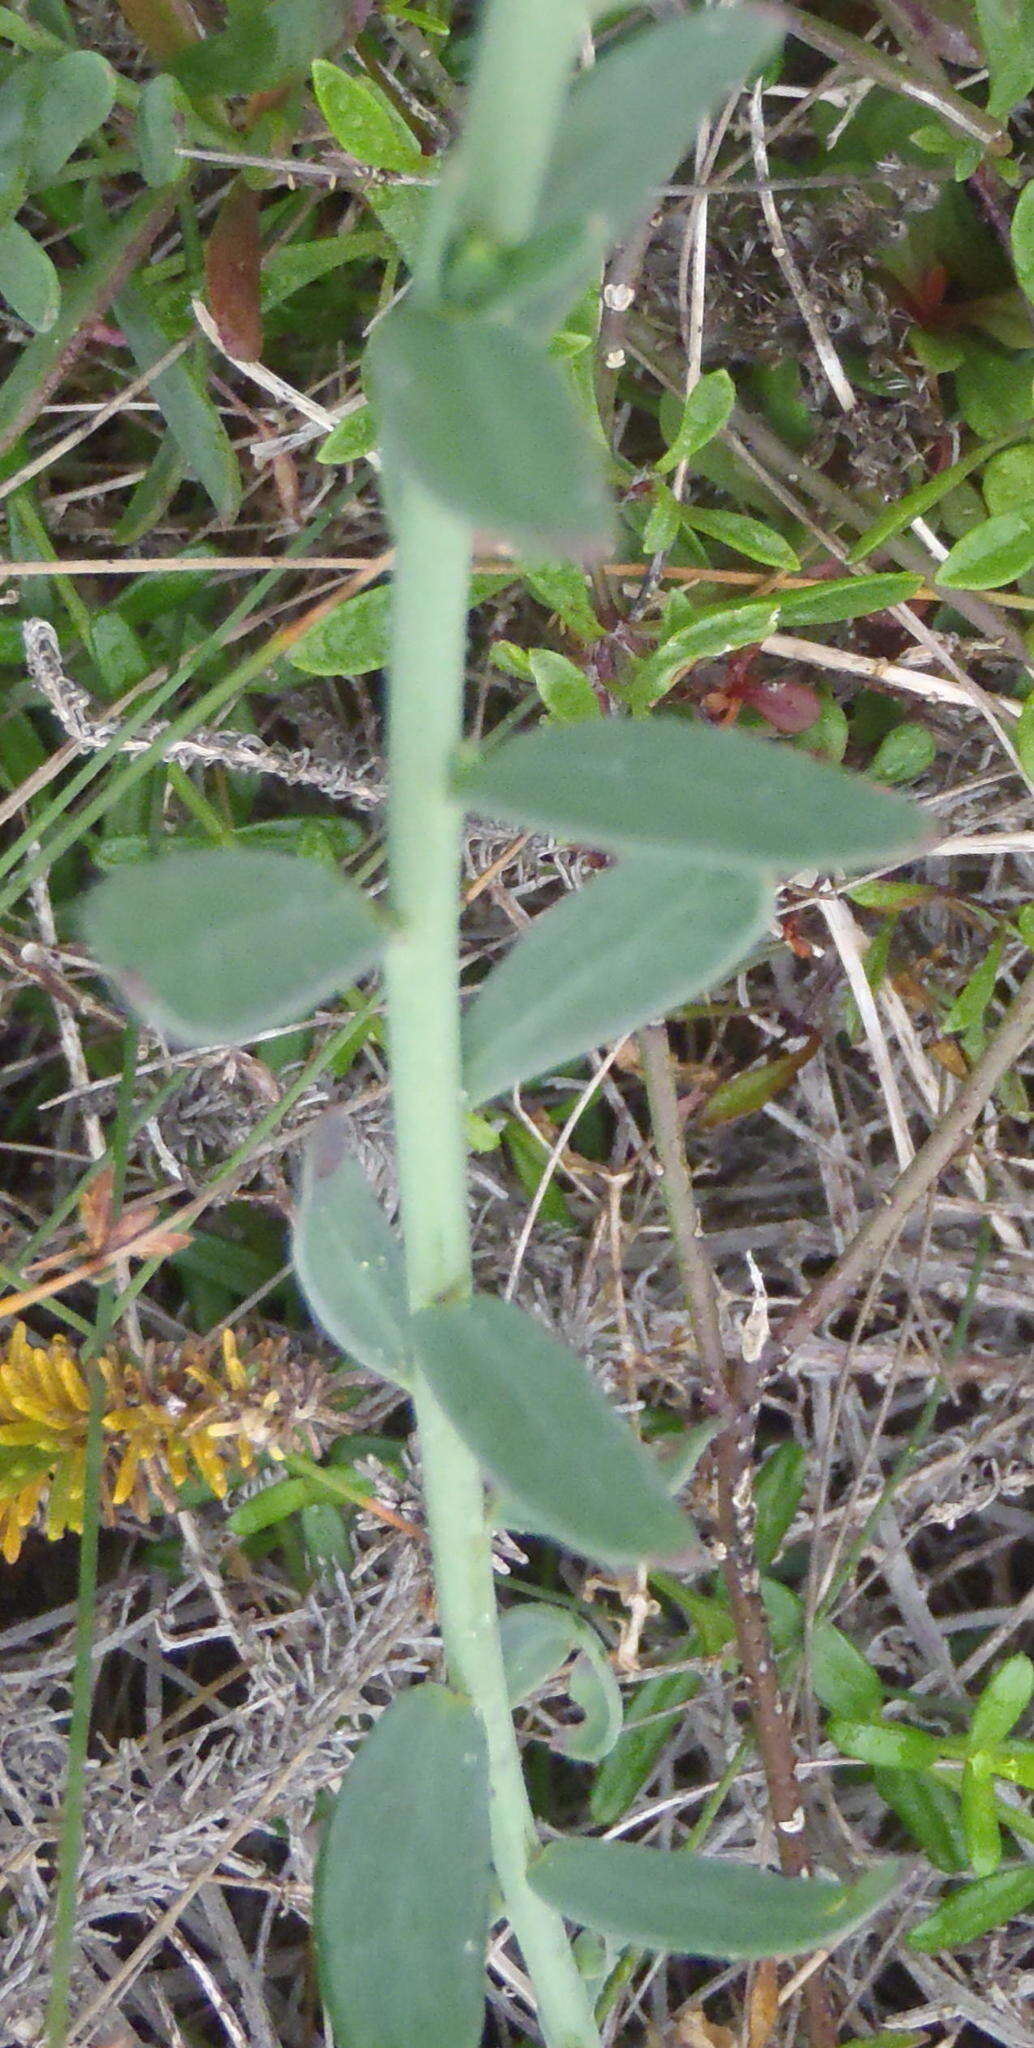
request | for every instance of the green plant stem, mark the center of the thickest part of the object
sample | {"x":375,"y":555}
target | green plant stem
{"x":62,"y":1954}
{"x":422,"y":975}
{"x":525,"y":53}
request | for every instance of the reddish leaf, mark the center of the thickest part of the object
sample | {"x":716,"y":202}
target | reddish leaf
{"x":233,"y":262}
{"x":787,"y":706}
{"x":165,"y":28}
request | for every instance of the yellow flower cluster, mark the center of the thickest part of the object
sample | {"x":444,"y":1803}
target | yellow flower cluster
{"x":181,"y":1411}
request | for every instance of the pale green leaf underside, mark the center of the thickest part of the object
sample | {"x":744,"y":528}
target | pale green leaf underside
{"x":402,"y":1883}
{"x":702,"y":1905}
{"x":541,"y":1428}
{"x":214,"y":947}
{"x":633,"y":115}
{"x":346,"y":1257}
{"x":725,"y":797}
{"x":486,"y":422}
{"x":625,"y":949}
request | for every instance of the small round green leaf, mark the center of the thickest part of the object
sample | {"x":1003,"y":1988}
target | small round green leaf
{"x":214,"y":947}
{"x":347,"y":1258}
{"x":991,"y":554}
{"x":722,"y":797}
{"x":78,"y":95}
{"x":904,"y":754}
{"x":28,"y":279}
{"x":541,"y":1428}
{"x":702,"y":1905}
{"x":351,"y":640}
{"x":402,"y":1883}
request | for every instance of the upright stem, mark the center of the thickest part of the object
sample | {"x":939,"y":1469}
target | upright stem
{"x":422,"y":973}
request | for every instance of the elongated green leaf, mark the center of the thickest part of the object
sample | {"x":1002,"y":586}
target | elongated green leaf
{"x":402,"y":1884}
{"x":28,"y":279}
{"x":540,"y":1427}
{"x":1007,"y":34}
{"x":1005,"y":1697}
{"x":654,"y":1717}
{"x":930,"y":1812}
{"x":628,"y":947}
{"x":1023,"y":219}
{"x":724,"y":797}
{"x":750,"y":537}
{"x":78,"y":95}
{"x":877,"y":1742}
{"x":777,"y":1496}
{"x":346,"y":1256}
{"x":363,"y":121}
{"x":191,"y":417}
{"x":633,"y":115}
{"x":715,"y":631}
{"x":974,"y":1909}
{"x":846,"y":597}
{"x":217,"y":946}
{"x":993,"y":553}
{"x":705,"y":411}
{"x":979,"y":1816}
{"x":702,"y":1905}
{"x":915,"y":503}
{"x":487,"y":423}
{"x":158,"y":127}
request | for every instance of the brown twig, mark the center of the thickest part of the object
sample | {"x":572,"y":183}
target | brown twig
{"x":1005,"y":1048}
{"x":733,"y":1388}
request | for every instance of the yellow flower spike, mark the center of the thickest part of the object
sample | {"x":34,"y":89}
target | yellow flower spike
{"x":125,"y":1477}
{"x":75,"y":1389}
{"x":209,"y":1463}
{"x":235,"y":1372}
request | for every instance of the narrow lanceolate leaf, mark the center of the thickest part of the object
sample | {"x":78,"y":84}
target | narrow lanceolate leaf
{"x":346,"y":1256}
{"x":634,"y":114}
{"x":725,"y":797}
{"x":402,"y":1883}
{"x":846,"y":597}
{"x":233,"y":262}
{"x":625,"y":949}
{"x":702,"y":1905}
{"x":704,"y":412}
{"x":363,"y":121}
{"x":214,"y":947}
{"x":487,"y":423}
{"x":655,"y":1714}
{"x":541,"y":1428}
{"x":190,"y":415}
{"x":975,"y":1909}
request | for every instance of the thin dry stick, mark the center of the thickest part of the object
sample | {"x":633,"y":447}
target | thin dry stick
{"x":1005,"y":1048}
{"x":809,"y":311}
{"x":733,"y":1389}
